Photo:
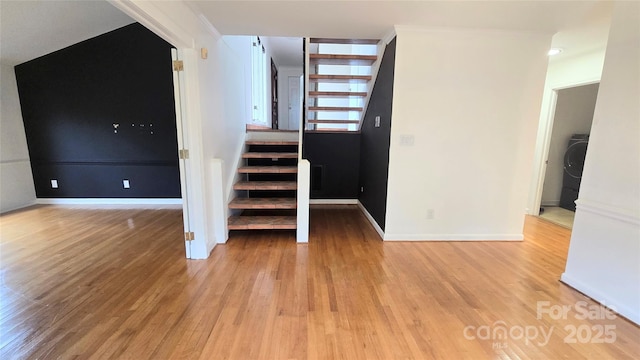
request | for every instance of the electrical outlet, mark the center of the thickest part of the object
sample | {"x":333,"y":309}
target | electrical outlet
{"x":430,"y":214}
{"x":406,"y":140}
{"x":377,"y":122}
{"x":54,"y":183}
{"x":126,"y":184}
{"x":361,"y":189}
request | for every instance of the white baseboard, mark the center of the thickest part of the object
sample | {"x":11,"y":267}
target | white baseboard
{"x":453,"y":237}
{"x":550,"y":203}
{"x":371,"y":220}
{"x":333,"y":201}
{"x":110,"y":201}
{"x":628,"y":312}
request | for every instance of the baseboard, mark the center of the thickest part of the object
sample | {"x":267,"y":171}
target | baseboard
{"x":629,"y":313}
{"x":609,"y":211}
{"x":371,"y":220}
{"x":550,"y":203}
{"x":453,"y":237}
{"x":333,"y":201}
{"x":20,"y":207}
{"x":111,"y":201}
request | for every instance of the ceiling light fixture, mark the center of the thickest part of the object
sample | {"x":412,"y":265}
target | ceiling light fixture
{"x":554,"y":51}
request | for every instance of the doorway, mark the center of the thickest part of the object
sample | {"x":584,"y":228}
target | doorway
{"x":572,"y":121}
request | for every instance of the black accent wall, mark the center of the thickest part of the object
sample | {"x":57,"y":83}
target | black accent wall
{"x":334,"y":164}
{"x":375,"y":141}
{"x":99,"y":112}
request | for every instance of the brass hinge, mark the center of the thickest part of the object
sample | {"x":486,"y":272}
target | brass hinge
{"x":183,"y":154}
{"x":189,"y":236}
{"x":178,"y":65}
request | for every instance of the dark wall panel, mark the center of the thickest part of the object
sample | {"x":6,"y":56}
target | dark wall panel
{"x":334,"y":164}
{"x":98,"y":108}
{"x":375,"y":141}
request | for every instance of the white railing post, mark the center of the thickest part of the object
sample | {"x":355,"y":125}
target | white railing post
{"x":304,"y":183}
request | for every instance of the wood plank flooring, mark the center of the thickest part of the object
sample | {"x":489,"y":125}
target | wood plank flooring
{"x":101,"y":284}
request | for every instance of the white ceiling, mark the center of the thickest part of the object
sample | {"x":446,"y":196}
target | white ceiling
{"x":374,"y":19}
{"x":30,"y":29}
{"x":286,"y":51}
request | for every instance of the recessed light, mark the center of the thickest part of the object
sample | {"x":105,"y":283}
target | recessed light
{"x":554,"y":51}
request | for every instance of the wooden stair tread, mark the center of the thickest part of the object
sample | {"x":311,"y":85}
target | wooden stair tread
{"x":339,"y":78}
{"x":339,"y":59}
{"x":272,"y":142}
{"x":328,"y":121}
{"x":261,"y":222}
{"x":270,"y":155}
{"x":266,"y":185}
{"x":344,"y":41}
{"x":263,"y":203}
{"x":268,"y":169}
{"x":335,"y":108}
{"x":336,"y":94}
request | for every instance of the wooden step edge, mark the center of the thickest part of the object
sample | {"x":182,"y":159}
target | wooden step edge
{"x":334,"y":108}
{"x":336,"y":94}
{"x":268,"y":170}
{"x":339,"y":78}
{"x":333,"y":121}
{"x":343,"y":56}
{"x":344,"y":41}
{"x":262,"y":222}
{"x":269,"y":155}
{"x":272,"y":142}
{"x":337,"y":131}
{"x":265,"y":185}
{"x":264,"y":203}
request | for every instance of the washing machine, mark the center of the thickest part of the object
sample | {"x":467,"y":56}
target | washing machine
{"x":573,"y":166}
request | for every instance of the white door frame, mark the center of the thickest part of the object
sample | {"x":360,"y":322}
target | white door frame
{"x":543,"y":144}
{"x":155,"y":19}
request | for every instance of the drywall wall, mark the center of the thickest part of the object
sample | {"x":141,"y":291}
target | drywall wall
{"x":334,"y":161}
{"x":283,"y":97}
{"x":604,"y":253}
{"x":573,"y":115}
{"x":16,"y":182}
{"x":100,"y":112}
{"x":465,"y":110}
{"x":374,"y":140}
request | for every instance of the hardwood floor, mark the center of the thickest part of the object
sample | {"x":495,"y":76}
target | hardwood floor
{"x":80,"y":283}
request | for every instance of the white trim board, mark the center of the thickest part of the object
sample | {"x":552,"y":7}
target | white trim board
{"x":333,"y":201}
{"x":371,"y":220}
{"x":629,"y":313}
{"x":612,"y":212}
{"x":110,"y":201}
{"x":453,"y":237}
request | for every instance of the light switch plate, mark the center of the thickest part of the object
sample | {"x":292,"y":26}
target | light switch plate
{"x":126,"y":184}
{"x":54,"y":183}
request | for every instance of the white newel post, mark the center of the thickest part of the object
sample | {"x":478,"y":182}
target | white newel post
{"x":218,"y":202}
{"x":304,"y":182}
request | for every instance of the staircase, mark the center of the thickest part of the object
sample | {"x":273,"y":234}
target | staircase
{"x":267,"y":191}
{"x":340,"y":74}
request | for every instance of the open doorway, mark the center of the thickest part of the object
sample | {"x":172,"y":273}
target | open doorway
{"x":572,"y":120}
{"x":287,"y":64}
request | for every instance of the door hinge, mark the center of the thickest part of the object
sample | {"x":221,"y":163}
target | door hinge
{"x":189,"y":236}
{"x":178,"y":65}
{"x":183,"y":154}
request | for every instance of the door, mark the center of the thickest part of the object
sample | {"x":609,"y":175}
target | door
{"x":274,"y":96}
{"x":178,"y":91}
{"x":295,"y":103}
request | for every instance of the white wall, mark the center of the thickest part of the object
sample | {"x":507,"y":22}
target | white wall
{"x":573,"y":115}
{"x":283,"y":95}
{"x":241,"y":46}
{"x":604,"y":253}
{"x":16,"y":180}
{"x":465,"y":111}
{"x":561,"y":74}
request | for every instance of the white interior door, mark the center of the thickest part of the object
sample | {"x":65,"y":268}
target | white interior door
{"x":295,"y":102}
{"x":178,"y":89}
